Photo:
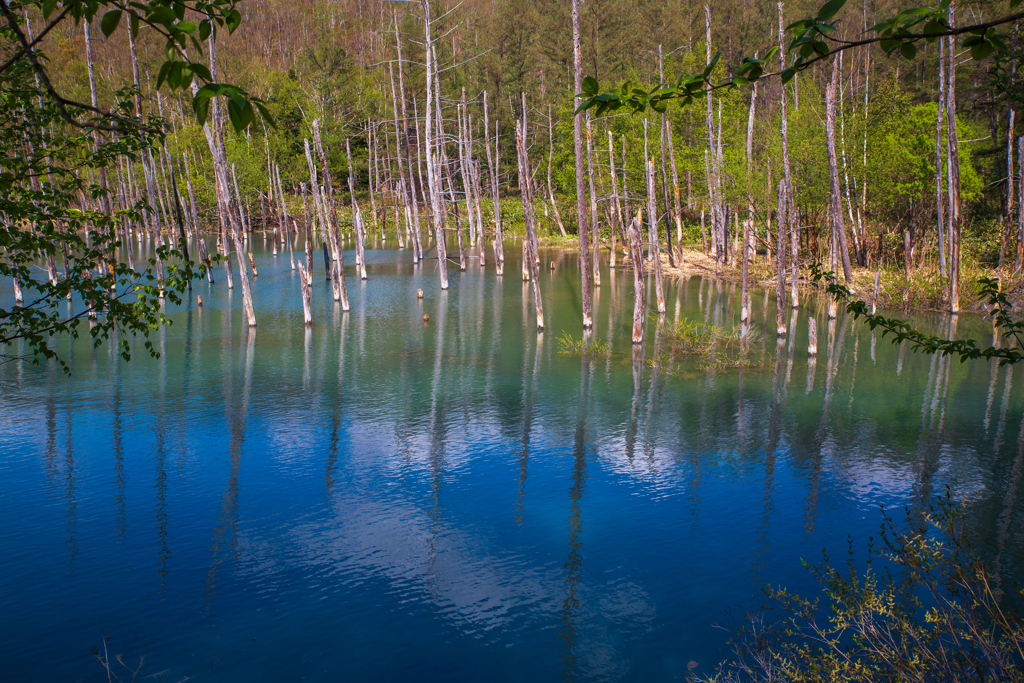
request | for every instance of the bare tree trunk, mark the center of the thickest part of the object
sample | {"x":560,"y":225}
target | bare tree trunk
{"x":652,"y":218}
{"x":1020,"y":204}
{"x":581,"y":191}
{"x":530,"y":243}
{"x":637,"y":256}
{"x":357,"y":216}
{"x":371,"y":144}
{"x":433,"y":173}
{"x":854,"y":216}
{"x":744,"y":290}
{"x":678,"y":215}
{"x":492,"y":170}
{"x":780,"y":261}
{"x":551,"y":189}
{"x":617,"y":217}
{"x":204,"y":258}
{"x":417,"y":255}
{"x":407,"y":196}
{"x":835,"y":191}
{"x":338,"y":263}
{"x":309,"y":230}
{"x":284,"y":212}
{"x":952,"y":145}
{"x":625,"y":191}
{"x":794,"y":235}
{"x":664,"y":172}
{"x":593,"y":205}
{"x":939,"y":158}
{"x":306,"y":288}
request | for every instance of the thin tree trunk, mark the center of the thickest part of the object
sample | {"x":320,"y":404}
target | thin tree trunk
{"x":551,"y":189}
{"x":581,"y":191}
{"x":664,"y":172}
{"x":678,"y":215}
{"x":433,"y":173}
{"x":835,"y":191}
{"x":952,"y":144}
{"x":780,"y":261}
{"x":653,"y":231}
{"x":413,"y":201}
{"x":939,"y":159}
{"x":357,"y":217}
{"x":617,"y":217}
{"x":637,"y":256}
{"x":744,"y":290}
{"x":338,"y":263}
{"x":593,"y":205}
{"x":492,"y":170}
{"x":530,"y":243}
{"x":306,"y":288}
{"x":794,"y":235}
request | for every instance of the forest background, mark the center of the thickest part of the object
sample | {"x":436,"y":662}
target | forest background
{"x":334,"y":62}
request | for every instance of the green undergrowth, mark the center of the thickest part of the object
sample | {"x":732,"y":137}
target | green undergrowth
{"x":920,"y":605}
{"x":587,"y":348}
{"x":716,"y":348}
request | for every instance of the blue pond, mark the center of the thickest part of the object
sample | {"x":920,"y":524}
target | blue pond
{"x":377,"y":498}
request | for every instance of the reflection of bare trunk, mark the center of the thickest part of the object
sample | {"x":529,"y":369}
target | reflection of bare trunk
{"x":529,"y":398}
{"x":574,"y":562}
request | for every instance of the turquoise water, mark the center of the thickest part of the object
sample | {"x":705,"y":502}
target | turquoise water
{"x":382,"y":499}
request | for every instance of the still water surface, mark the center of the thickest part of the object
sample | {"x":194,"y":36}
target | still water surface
{"x":380,"y":499}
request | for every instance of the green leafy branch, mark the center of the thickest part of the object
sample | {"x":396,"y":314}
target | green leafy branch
{"x":183,"y":25}
{"x":812,"y":41}
{"x":903,"y":331}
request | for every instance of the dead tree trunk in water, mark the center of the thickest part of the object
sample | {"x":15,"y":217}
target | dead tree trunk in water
{"x":306,"y":289}
{"x":794,"y":235}
{"x":530,"y":255}
{"x":492,"y":169}
{"x":652,"y":225}
{"x":617,"y":217}
{"x":593,"y":204}
{"x":338,"y":263}
{"x":953,"y":164}
{"x":780,"y":262}
{"x":835,"y":196}
{"x":357,"y":216}
{"x":551,"y":190}
{"x":581,"y":190}
{"x":636,"y":254}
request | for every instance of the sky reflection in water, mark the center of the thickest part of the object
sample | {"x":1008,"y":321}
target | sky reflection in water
{"x":379,"y":498}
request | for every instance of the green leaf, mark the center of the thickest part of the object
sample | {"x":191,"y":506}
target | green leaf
{"x":981,"y":51}
{"x":829,"y":9}
{"x":165,"y":71}
{"x":201,"y":71}
{"x":134,"y":25}
{"x":908,"y":50}
{"x":205,"y":28}
{"x":739,"y":80}
{"x":590,"y":85}
{"x":233,"y":19}
{"x":110,"y":21}
{"x":265,"y":113}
